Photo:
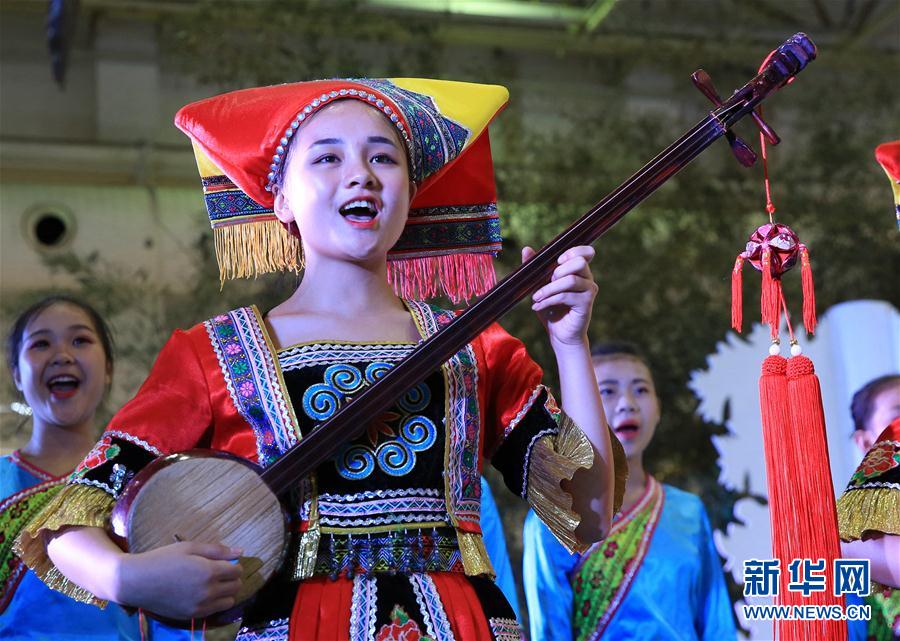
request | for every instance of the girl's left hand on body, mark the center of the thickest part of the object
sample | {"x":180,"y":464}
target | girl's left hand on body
{"x":564,"y":304}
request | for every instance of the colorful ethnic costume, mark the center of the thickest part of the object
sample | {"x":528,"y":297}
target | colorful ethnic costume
{"x":871,"y":504}
{"x":29,"y":610}
{"x":656,"y":576}
{"x":386,"y":539}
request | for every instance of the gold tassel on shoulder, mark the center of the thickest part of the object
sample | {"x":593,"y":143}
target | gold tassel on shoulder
{"x":80,"y":505}
{"x":875,"y":509}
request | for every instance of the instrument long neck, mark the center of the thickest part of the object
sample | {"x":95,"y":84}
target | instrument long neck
{"x":324,"y":441}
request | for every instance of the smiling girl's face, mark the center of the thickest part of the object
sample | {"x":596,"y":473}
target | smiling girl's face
{"x":629,"y":400}
{"x":62,"y":369}
{"x":346,"y":184}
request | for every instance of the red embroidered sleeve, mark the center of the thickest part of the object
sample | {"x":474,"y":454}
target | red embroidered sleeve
{"x":510,"y":382}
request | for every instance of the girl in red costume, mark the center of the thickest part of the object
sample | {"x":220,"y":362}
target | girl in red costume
{"x":385,"y":189}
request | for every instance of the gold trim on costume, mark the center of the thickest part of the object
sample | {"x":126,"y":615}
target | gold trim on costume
{"x":279,"y":373}
{"x":871,"y":509}
{"x":558,"y":457}
{"x":474,"y":555}
{"x":387,"y":527}
{"x":78,"y":505}
{"x":345,"y":343}
{"x":255,"y":248}
{"x":307,"y":552}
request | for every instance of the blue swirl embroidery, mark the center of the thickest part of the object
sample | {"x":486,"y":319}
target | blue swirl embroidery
{"x":322,"y":400}
{"x":346,"y":378}
{"x":374,"y":371}
{"x":416,"y":399}
{"x":418,"y":432}
{"x":395,"y":458}
{"x":356,"y":462}
{"x":397,"y":455}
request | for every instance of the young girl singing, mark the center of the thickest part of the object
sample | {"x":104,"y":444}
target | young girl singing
{"x":60,"y":356}
{"x":657,"y":576}
{"x":384,"y":191}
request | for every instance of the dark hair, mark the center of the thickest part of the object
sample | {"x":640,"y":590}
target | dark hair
{"x":14,"y":338}
{"x":861,"y":405}
{"x":609,"y":350}
{"x":614,"y":348}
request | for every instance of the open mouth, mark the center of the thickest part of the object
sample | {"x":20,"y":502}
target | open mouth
{"x":361,"y":212}
{"x":63,"y":386}
{"x":627,"y":430}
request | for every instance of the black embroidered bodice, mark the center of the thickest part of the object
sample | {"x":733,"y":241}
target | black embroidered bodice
{"x":380,"y":502}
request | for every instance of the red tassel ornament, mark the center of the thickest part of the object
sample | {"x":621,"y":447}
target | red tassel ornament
{"x":809,"y":294}
{"x":816,"y":535}
{"x":801,"y":496}
{"x":776,"y":429}
{"x":737,"y":294}
{"x":770,"y":297}
{"x":778,"y":439}
{"x":772,"y":249}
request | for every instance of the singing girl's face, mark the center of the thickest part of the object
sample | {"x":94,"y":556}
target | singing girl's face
{"x":346,"y":184}
{"x":885,"y":408}
{"x":629,"y":400}
{"x":62,"y":369}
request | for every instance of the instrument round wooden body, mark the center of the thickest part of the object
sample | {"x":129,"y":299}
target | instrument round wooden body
{"x":209,"y":497}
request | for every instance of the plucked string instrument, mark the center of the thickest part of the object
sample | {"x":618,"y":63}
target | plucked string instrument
{"x":216,"y":497}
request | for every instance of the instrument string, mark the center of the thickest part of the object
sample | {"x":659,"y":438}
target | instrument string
{"x":282,"y":475}
{"x":770,"y":206}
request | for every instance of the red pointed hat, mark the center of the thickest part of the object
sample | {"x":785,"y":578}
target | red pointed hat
{"x":240,"y":140}
{"x":888,"y":156}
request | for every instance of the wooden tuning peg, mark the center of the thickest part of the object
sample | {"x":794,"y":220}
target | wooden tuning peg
{"x":741,"y":150}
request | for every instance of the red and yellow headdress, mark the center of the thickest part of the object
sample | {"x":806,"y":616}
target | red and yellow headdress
{"x":888,"y":156}
{"x":240,"y":140}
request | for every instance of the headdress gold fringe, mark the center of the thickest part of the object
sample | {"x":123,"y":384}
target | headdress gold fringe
{"x":558,"y":457}
{"x":73,"y":505}
{"x":254,"y":248}
{"x":861,"y":511}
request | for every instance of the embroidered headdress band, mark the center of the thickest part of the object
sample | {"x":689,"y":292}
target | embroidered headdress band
{"x":241,"y":139}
